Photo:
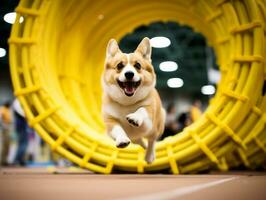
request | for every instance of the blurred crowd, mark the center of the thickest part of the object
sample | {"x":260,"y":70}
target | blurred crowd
{"x":19,"y":144}
{"x":175,"y":122}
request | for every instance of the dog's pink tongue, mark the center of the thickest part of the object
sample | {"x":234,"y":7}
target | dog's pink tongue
{"x":129,"y":89}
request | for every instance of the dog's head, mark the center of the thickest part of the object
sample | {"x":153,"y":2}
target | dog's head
{"x":128,"y":77}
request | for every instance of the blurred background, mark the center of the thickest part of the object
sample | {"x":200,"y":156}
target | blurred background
{"x":186,"y":70}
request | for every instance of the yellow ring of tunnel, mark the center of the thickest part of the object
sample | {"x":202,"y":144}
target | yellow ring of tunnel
{"x":56,"y":59}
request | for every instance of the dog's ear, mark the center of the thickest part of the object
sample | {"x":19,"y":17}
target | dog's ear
{"x":112,"y":48}
{"x":144,"y":48}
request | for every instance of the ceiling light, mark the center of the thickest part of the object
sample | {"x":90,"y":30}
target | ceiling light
{"x":175,"y":82}
{"x":2,"y":52}
{"x":168,"y":66}
{"x":11,"y":18}
{"x":214,"y":76}
{"x":160,"y":42}
{"x":208,"y":89}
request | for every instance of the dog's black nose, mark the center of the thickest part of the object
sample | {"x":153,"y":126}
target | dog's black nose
{"x":129,"y":75}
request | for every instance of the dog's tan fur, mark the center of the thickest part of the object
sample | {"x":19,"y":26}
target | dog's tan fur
{"x":132,"y":118}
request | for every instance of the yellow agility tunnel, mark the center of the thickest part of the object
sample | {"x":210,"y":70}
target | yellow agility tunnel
{"x":57,"y":55}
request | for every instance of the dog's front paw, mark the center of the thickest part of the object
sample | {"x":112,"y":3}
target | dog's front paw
{"x":134,"y":119}
{"x":122,"y":142}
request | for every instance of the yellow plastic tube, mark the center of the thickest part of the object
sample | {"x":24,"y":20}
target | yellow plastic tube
{"x":56,"y":59}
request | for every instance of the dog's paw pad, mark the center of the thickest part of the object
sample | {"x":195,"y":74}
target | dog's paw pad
{"x":134,"y":120}
{"x":122,"y":143}
{"x":131,"y":121}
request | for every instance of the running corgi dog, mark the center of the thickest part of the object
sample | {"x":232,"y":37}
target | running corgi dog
{"x":132,"y":108}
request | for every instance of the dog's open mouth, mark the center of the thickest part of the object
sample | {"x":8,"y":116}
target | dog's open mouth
{"x":129,"y":87}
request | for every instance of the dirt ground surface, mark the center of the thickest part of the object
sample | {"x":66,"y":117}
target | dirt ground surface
{"x":77,"y":184}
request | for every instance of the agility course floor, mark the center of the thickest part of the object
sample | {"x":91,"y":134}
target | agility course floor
{"x":39,"y":183}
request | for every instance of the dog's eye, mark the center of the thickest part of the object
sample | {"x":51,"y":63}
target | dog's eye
{"x":137,"y":65}
{"x":119,"y":66}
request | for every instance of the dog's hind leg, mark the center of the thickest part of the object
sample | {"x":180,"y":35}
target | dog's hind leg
{"x":150,"y":152}
{"x":141,"y":142}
